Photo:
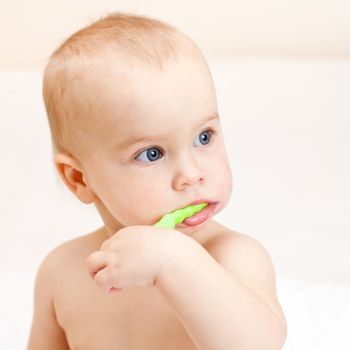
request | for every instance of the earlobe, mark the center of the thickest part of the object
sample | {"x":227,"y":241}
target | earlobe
{"x":73,"y":176}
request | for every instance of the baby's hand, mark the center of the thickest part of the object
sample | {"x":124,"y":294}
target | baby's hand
{"x":133,"y":257}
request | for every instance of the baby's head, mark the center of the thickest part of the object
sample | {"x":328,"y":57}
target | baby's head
{"x":134,"y":123}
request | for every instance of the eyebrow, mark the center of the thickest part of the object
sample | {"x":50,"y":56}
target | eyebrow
{"x":132,"y":140}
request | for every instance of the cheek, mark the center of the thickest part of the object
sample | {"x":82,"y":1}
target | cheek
{"x":225,"y":181}
{"x":222,"y":175}
{"x":139,"y":196}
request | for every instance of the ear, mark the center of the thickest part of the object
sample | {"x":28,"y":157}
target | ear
{"x":73,"y":176}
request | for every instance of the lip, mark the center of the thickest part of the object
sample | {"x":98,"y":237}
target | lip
{"x":200,"y":217}
{"x":202,"y":201}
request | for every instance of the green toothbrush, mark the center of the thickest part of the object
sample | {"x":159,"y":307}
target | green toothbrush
{"x":170,"y":220}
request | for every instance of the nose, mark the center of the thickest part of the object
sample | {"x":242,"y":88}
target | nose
{"x":188,"y":173}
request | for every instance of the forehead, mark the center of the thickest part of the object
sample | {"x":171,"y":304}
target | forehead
{"x":144,"y":101}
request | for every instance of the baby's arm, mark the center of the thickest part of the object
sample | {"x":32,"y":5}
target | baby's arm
{"x":228,"y":303}
{"x":46,"y":332}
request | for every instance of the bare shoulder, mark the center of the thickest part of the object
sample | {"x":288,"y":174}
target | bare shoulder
{"x":66,"y":257}
{"x":46,"y":332}
{"x":64,"y":262}
{"x":232,"y":247}
{"x":228,"y":245}
{"x":249,"y":261}
{"x":76,"y":248}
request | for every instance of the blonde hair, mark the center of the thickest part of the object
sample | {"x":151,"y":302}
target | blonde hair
{"x":131,"y":39}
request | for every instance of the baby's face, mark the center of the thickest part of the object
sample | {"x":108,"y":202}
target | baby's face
{"x":158,"y":144}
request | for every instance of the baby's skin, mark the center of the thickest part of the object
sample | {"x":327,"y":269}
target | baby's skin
{"x":171,"y":292}
{"x":153,"y":143}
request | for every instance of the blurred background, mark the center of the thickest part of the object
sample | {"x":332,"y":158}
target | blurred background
{"x":282,"y":74}
{"x":30,"y":31}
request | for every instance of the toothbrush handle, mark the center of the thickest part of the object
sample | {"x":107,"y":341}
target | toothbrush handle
{"x":170,"y":220}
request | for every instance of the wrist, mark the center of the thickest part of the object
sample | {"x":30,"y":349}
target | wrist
{"x":180,"y":253}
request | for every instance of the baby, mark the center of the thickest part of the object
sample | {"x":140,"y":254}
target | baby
{"x":135,"y":130}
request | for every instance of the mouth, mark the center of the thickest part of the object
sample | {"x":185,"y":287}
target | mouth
{"x":202,"y":201}
{"x":201,"y":216}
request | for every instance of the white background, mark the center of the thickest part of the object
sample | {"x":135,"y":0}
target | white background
{"x":31,"y":30}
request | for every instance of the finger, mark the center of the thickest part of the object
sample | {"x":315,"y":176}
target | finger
{"x":105,"y":245}
{"x":110,"y":244}
{"x":99,"y":260}
{"x":107,"y":280}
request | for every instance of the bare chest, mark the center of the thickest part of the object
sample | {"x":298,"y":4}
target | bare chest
{"x":133,"y":319}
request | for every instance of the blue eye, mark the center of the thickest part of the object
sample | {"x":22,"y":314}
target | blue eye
{"x":205,"y":136}
{"x":153,"y":153}
{"x":150,"y":154}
